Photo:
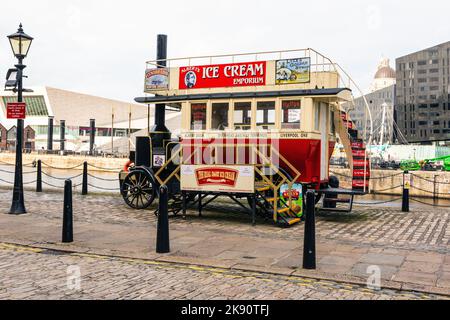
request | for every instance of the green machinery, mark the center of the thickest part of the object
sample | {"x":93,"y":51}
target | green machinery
{"x":442,"y":163}
{"x":409,"y":165}
{"x":436,"y":164}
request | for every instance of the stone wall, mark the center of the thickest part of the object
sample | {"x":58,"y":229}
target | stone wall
{"x":66,"y":161}
{"x":424,"y":183}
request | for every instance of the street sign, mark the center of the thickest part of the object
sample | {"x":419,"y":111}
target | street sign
{"x":15,"y":110}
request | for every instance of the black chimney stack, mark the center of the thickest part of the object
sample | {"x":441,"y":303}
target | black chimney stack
{"x":159,"y":131}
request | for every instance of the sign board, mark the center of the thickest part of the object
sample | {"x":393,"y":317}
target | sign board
{"x":407,"y":181}
{"x":218,"y":178}
{"x":296,"y":197}
{"x":159,"y":160}
{"x":223,"y":75}
{"x":15,"y":110}
{"x":291,"y":71}
{"x":156,"y":79}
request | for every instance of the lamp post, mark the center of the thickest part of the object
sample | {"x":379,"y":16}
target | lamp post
{"x":20,"y":44}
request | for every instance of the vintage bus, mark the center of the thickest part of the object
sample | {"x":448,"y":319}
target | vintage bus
{"x":259,"y":128}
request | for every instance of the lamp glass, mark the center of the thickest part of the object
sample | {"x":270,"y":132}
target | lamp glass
{"x":20,"y":45}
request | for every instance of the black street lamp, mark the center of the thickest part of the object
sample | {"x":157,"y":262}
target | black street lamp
{"x":20,"y":44}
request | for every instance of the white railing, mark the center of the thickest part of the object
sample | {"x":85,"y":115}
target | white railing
{"x":319,"y":63}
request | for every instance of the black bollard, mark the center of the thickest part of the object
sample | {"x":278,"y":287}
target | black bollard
{"x":67,"y":231}
{"x":309,"y":243}
{"x":39,"y":176}
{"x":84,"y":187}
{"x":406,"y":186}
{"x":162,"y":236}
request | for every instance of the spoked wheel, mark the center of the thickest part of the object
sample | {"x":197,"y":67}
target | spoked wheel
{"x":138,"y":189}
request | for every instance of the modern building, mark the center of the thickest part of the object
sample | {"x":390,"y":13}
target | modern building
{"x":381,"y":99}
{"x":422,"y":109}
{"x":114,"y":120}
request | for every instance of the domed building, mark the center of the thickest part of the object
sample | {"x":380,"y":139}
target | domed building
{"x":380,"y":98}
{"x":384,"y":77}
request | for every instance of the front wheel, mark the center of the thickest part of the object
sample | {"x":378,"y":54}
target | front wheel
{"x":138,"y":190}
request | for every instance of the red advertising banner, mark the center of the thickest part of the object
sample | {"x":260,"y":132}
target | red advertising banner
{"x":15,"y":110}
{"x":216,"y":176}
{"x":223,"y":75}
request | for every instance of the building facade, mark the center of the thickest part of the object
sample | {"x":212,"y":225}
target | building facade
{"x":422,"y":110}
{"x":381,"y":99}
{"x":381,"y":104}
{"x":114,"y":120}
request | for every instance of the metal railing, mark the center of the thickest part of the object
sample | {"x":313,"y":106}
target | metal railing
{"x":54,"y":181}
{"x":257,"y":159}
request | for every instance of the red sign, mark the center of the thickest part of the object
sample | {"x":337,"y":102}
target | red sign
{"x":15,"y":110}
{"x":359,"y":153}
{"x":358,"y":145}
{"x":360,"y":183}
{"x":295,"y":194}
{"x":361,"y":163}
{"x":359,"y":173}
{"x":216,"y":176}
{"x":223,"y":75}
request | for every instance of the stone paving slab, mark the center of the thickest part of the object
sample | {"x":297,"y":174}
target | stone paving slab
{"x":43,"y":274}
{"x":104,"y":225}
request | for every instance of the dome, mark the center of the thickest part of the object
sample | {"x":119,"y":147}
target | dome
{"x":385,"y":71}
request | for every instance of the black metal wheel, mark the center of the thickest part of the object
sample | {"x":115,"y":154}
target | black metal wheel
{"x":138,"y":189}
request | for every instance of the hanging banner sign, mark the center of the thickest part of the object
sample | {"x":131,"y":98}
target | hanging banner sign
{"x":15,"y":110}
{"x":223,"y":75}
{"x":291,"y":71}
{"x":156,"y":79}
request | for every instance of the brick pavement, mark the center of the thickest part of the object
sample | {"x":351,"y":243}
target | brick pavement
{"x":411,"y":249}
{"x":30,"y":273}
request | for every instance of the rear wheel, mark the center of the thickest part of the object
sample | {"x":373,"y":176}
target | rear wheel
{"x":138,"y":190}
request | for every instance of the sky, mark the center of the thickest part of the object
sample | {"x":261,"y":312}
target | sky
{"x":100,"y":47}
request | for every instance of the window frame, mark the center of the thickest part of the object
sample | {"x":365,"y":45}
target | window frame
{"x":230,"y":103}
{"x":189,"y":115}
{"x":276,"y":124}
{"x":281,"y":114}
{"x":252,"y":114}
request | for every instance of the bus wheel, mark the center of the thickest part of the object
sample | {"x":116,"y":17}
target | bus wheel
{"x":138,"y":189}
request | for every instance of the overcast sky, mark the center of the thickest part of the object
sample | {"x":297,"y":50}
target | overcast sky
{"x":100,"y":46}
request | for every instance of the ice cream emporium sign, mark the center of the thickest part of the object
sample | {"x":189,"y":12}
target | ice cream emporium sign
{"x":223,"y":75}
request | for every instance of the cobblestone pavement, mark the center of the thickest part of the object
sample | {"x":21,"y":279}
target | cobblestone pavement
{"x":423,"y":227}
{"x":411,"y":249}
{"x":29,"y":273}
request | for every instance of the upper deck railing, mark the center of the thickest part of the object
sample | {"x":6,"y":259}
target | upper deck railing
{"x":319,"y":63}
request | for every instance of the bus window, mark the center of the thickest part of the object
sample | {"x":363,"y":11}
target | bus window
{"x":291,"y":114}
{"x":242,"y":115}
{"x":198,"y":116}
{"x":219,"y":116}
{"x":265,"y":114}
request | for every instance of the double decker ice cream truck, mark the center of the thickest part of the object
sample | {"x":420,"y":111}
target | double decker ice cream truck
{"x":259,"y":128}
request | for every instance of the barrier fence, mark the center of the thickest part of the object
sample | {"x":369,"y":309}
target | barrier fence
{"x":433,"y":190}
{"x":88,"y":180}
{"x":83,"y":179}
